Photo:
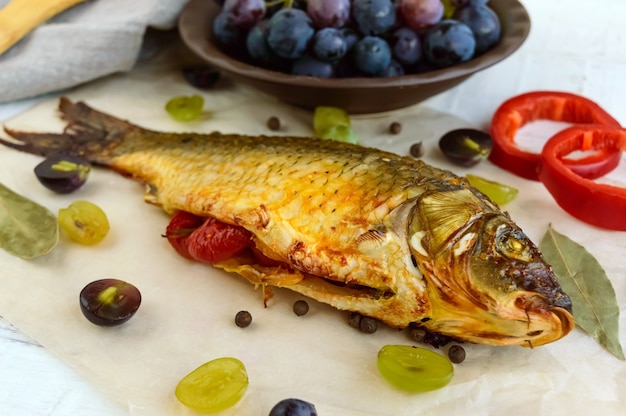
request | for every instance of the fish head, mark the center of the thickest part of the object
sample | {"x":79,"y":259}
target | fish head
{"x":487,"y":282}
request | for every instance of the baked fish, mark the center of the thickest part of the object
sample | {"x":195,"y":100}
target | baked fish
{"x":360,"y":229}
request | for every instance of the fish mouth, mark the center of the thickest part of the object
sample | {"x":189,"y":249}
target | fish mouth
{"x":546,"y":322}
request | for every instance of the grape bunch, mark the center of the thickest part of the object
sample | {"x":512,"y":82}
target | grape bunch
{"x":355,"y":38}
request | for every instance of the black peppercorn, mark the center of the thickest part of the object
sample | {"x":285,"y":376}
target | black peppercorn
{"x":300,"y":307}
{"x":395,"y":128}
{"x":243,"y":319}
{"x":368,"y":325}
{"x":273,"y":123}
{"x":456,"y":353}
{"x":354,"y":320}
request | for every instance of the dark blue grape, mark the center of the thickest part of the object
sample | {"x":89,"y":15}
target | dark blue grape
{"x":350,"y":36}
{"x":345,"y":68}
{"x":289,"y":33}
{"x":449,"y":42}
{"x":372,"y":55}
{"x":394,"y":69}
{"x":406,"y":46}
{"x":293,"y":407}
{"x":256,"y":44}
{"x":329,"y":44}
{"x":226,"y":33}
{"x":373,"y":17}
{"x":201,"y":77}
{"x":313,"y":67}
{"x":484,"y":23}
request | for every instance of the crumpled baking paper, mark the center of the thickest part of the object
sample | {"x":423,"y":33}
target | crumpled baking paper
{"x":86,"y":42}
{"x":188,"y":309}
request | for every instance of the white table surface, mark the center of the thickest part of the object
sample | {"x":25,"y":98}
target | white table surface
{"x":574,"y":45}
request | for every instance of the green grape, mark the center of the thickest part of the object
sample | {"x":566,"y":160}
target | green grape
{"x":214,"y":386}
{"x":84,"y":222}
{"x":325,"y":118}
{"x":414,"y":369}
{"x":497,"y":192}
{"x":185,"y":108}
{"x":339,"y":133}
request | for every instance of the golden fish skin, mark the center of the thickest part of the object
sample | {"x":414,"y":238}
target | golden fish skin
{"x":361,"y":229}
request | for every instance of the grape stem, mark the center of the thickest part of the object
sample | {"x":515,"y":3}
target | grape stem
{"x":287,"y":4}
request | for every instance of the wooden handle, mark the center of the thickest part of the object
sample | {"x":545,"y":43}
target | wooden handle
{"x":19,"y":17}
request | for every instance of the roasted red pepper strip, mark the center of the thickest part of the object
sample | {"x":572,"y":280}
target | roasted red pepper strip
{"x":547,"y":105}
{"x":597,"y":204}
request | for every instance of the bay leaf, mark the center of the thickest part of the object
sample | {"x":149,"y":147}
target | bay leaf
{"x":581,"y":276}
{"x":27,"y":229}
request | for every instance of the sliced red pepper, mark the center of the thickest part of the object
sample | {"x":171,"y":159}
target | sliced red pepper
{"x":596,"y":204}
{"x":548,"y":105}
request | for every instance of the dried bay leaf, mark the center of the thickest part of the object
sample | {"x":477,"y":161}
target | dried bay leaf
{"x":27,"y":229}
{"x":594,"y":302}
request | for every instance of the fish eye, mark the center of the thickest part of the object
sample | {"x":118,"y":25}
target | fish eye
{"x":513,"y":244}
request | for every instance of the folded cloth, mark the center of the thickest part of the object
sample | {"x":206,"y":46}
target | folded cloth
{"x":88,"y":41}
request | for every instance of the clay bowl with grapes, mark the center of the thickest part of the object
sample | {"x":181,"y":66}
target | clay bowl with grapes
{"x":355,"y":94}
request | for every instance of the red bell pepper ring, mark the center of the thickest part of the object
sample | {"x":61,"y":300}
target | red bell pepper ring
{"x":547,"y":105}
{"x":597,"y":204}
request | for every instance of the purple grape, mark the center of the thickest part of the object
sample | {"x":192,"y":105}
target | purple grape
{"x":466,"y":147}
{"x":290,"y":32}
{"x":419,"y":14}
{"x":109,"y":302}
{"x":406,"y":46}
{"x":448,"y":43}
{"x":329,"y":44}
{"x":293,"y":407}
{"x":484,"y":23}
{"x":313,"y":67}
{"x":329,"y":13}
{"x":372,"y":55}
{"x":373,"y":17}
{"x":63,"y":173}
{"x":244,"y":13}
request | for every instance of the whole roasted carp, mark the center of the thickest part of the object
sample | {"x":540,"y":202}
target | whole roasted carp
{"x":361,"y":229}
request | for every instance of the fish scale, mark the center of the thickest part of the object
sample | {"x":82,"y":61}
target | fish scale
{"x":358,"y":228}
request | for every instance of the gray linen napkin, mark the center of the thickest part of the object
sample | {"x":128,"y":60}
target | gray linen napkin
{"x":88,"y":41}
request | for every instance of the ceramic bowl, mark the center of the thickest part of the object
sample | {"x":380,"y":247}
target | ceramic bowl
{"x":355,"y":95}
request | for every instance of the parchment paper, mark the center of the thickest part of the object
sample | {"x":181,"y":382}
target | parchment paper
{"x":188,"y":309}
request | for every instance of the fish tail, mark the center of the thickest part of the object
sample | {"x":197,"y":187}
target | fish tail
{"x":89,"y":133}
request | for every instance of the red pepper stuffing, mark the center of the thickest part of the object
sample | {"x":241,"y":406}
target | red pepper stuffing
{"x":179,"y":229}
{"x":215,"y":241}
{"x":555,"y":106}
{"x":597,"y":204}
{"x":205,"y":239}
